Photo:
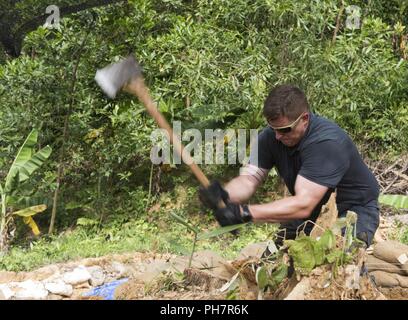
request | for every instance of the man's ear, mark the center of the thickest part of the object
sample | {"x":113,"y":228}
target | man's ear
{"x":306,"y":118}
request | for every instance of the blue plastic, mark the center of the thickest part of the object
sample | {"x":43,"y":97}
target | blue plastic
{"x":106,"y":291}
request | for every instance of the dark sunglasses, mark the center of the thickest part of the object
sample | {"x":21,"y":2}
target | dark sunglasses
{"x":287,"y":129}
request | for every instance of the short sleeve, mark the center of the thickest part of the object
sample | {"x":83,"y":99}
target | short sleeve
{"x":325,"y":162}
{"x":261,"y":154}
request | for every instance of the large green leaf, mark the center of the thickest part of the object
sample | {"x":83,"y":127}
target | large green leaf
{"x":302,"y":250}
{"x":278,"y":275}
{"x":261,"y":277}
{"x":26,"y":162}
{"x":34,"y":163}
{"x":24,"y":153}
{"x":396,"y":200}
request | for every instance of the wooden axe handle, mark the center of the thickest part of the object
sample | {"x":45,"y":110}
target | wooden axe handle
{"x":139,"y":89}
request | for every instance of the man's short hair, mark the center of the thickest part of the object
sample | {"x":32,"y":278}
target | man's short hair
{"x":285,"y":100}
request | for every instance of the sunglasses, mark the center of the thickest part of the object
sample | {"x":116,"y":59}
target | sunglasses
{"x":287,"y":129}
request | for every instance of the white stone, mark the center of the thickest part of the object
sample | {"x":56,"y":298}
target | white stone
{"x":59,"y":287}
{"x":119,"y":268}
{"x":77,"y":276}
{"x":300,"y":291}
{"x":97,"y":276}
{"x":5,"y":292}
{"x":29,"y":290}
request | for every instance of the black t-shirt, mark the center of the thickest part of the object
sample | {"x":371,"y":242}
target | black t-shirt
{"x":327,"y":156}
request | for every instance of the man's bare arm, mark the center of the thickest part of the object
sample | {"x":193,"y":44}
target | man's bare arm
{"x":242,"y":188}
{"x":307,"y":195}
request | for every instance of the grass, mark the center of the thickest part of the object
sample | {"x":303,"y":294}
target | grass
{"x":153,"y":230}
{"x":136,"y":236}
{"x":401,"y":233}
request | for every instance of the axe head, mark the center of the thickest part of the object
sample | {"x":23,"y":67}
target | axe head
{"x":113,"y":77}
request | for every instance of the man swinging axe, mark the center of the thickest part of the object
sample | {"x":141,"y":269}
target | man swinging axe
{"x":314,"y":157}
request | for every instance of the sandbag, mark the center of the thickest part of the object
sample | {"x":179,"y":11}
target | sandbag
{"x":373,"y":263}
{"x":387,"y":280}
{"x":393,"y":252}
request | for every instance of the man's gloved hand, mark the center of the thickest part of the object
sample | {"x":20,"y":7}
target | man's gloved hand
{"x":233,"y":214}
{"x":213,"y":195}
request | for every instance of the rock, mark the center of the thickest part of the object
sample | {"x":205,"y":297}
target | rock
{"x":54,"y":297}
{"x":42,"y":273}
{"x":29,"y":290}
{"x":77,"y":276}
{"x":119,"y":269}
{"x":300,"y":291}
{"x":5,"y":292}
{"x":7,"y":276}
{"x":256,"y":250}
{"x":97,"y":276}
{"x":59,"y":287}
{"x":149,"y":271}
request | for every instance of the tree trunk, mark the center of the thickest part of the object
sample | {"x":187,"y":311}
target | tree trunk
{"x":65,"y":135}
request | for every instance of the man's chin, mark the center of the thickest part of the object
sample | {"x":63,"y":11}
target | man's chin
{"x":289,"y":143}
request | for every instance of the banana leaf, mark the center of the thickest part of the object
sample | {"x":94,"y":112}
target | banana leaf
{"x":26,"y":162}
{"x":395,"y":200}
{"x":31,"y":223}
{"x":28,"y":212}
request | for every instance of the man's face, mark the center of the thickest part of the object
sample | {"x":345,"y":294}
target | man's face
{"x":297,"y":130}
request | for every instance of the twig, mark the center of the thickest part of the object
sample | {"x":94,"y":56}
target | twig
{"x":391,"y":167}
{"x":336,"y":30}
{"x":395,"y":179}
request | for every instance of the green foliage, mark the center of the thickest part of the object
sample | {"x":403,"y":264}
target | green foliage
{"x":395,"y":200}
{"x":308,"y":253}
{"x":26,"y":162}
{"x":270,"y":278}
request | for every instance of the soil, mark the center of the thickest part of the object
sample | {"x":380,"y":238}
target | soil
{"x":395,"y":293}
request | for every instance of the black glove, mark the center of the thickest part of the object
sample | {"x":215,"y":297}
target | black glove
{"x":213,"y":195}
{"x":233,"y":214}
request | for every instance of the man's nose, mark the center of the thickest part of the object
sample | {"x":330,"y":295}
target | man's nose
{"x":278,"y":135}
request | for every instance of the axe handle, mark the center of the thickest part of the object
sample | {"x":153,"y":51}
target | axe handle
{"x":139,"y":89}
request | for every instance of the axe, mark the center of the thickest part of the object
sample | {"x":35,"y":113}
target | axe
{"x":127,"y":75}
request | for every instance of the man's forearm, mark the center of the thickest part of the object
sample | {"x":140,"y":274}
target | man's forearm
{"x":279,"y":211}
{"x":241,"y":188}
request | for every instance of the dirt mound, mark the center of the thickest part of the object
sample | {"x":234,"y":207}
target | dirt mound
{"x":396,"y":293}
